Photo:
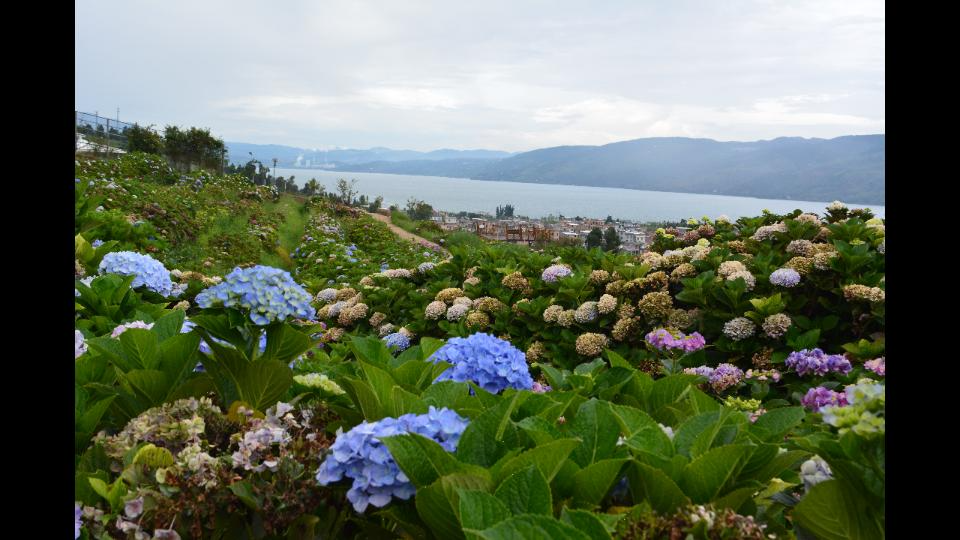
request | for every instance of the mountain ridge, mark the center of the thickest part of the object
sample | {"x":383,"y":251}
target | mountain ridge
{"x":848,"y":168}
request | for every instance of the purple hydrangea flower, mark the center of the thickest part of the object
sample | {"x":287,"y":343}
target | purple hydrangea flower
{"x":720,"y":378}
{"x":540,"y":388}
{"x":820,"y":396}
{"x":817,"y":362}
{"x":703,"y":371}
{"x":725,"y":376}
{"x":554,"y":272}
{"x":877,"y":365}
{"x":785,"y":277}
{"x":490,"y":362}
{"x":359,"y":454}
{"x":663,"y":339}
{"x":77,"y":522}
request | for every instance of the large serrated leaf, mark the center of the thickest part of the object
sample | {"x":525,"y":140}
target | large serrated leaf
{"x":480,"y":510}
{"x":439,"y":503}
{"x":284,"y":343}
{"x":526,"y":492}
{"x":548,"y":457}
{"x":141,"y":347}
{"x":404,"y":402}
{"x":113,"y":351}
{"x":595,"y":481}
{"x":219,"y":326}
{"x":669,"y":389}
{"x":90,"y":418}
{"x":488,"y":437}
{"x":178,"y":355}
{"x":428,"y":346}
{"x":655,"y":487}
{"x":831,"y":513}
{"x":774,"y":424}
{"x":599,"y":430}
{"x":169,"y":325}
{"x":364,"y":397}
{"x":381,"y":382}
{"x":370,"y":349}
{"x":531,"y":526}
{"x":585,"y":522}
{"x":150,"y":386}
{"x":450,"y":394}
{"x":704,"y":478}
{"x":643,"y":433}
{"x":539,"y":430}
{"x":421,"y":459}
{"x":264,"y":382}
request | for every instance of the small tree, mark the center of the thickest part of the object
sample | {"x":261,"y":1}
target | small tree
{"x":609,"y":219}
{"x":346,"y":190}
{"x":419,"y":210}
{"x":375,"y":205}
{"x":144,"y":139}
{"x":611,"y":240}
{"x":505,"y":211}
{"x":595,"y":238}
{"x":312,"y":187}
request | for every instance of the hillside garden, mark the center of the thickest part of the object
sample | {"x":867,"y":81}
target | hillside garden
{"x":250,"y":364}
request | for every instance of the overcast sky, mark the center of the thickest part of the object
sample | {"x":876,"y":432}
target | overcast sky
{"x":502,"y":75}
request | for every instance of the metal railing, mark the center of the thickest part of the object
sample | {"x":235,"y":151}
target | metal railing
{"x":95,"y":134}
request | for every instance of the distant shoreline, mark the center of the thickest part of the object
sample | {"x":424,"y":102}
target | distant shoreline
{"x":855,"y":203}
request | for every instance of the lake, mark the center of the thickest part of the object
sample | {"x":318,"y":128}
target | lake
{"x":540,"y":200}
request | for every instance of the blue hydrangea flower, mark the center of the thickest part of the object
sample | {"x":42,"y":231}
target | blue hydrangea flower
{"x":149,"y":272}
{"x":359,"y":454}
{"x":785,"y":277}
{"x":397,"y":341}
{"x":269,"y":293}
{"x":490,"y":362}
{"x":423,"y":268}
{"x":97,"y":243}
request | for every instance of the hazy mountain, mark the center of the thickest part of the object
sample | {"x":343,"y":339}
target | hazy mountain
{"x":848,"y":168}
{"x":289,"y":156}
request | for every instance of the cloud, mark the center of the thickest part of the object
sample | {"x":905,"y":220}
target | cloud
{"x":497,"y":74}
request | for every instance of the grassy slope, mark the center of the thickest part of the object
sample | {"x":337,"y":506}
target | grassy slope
{"x":419,"y":228}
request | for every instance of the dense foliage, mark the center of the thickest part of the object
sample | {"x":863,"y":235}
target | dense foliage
{"x":728,"y":384}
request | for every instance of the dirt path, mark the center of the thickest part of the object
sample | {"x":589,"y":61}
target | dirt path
{"x":402,"y":233}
